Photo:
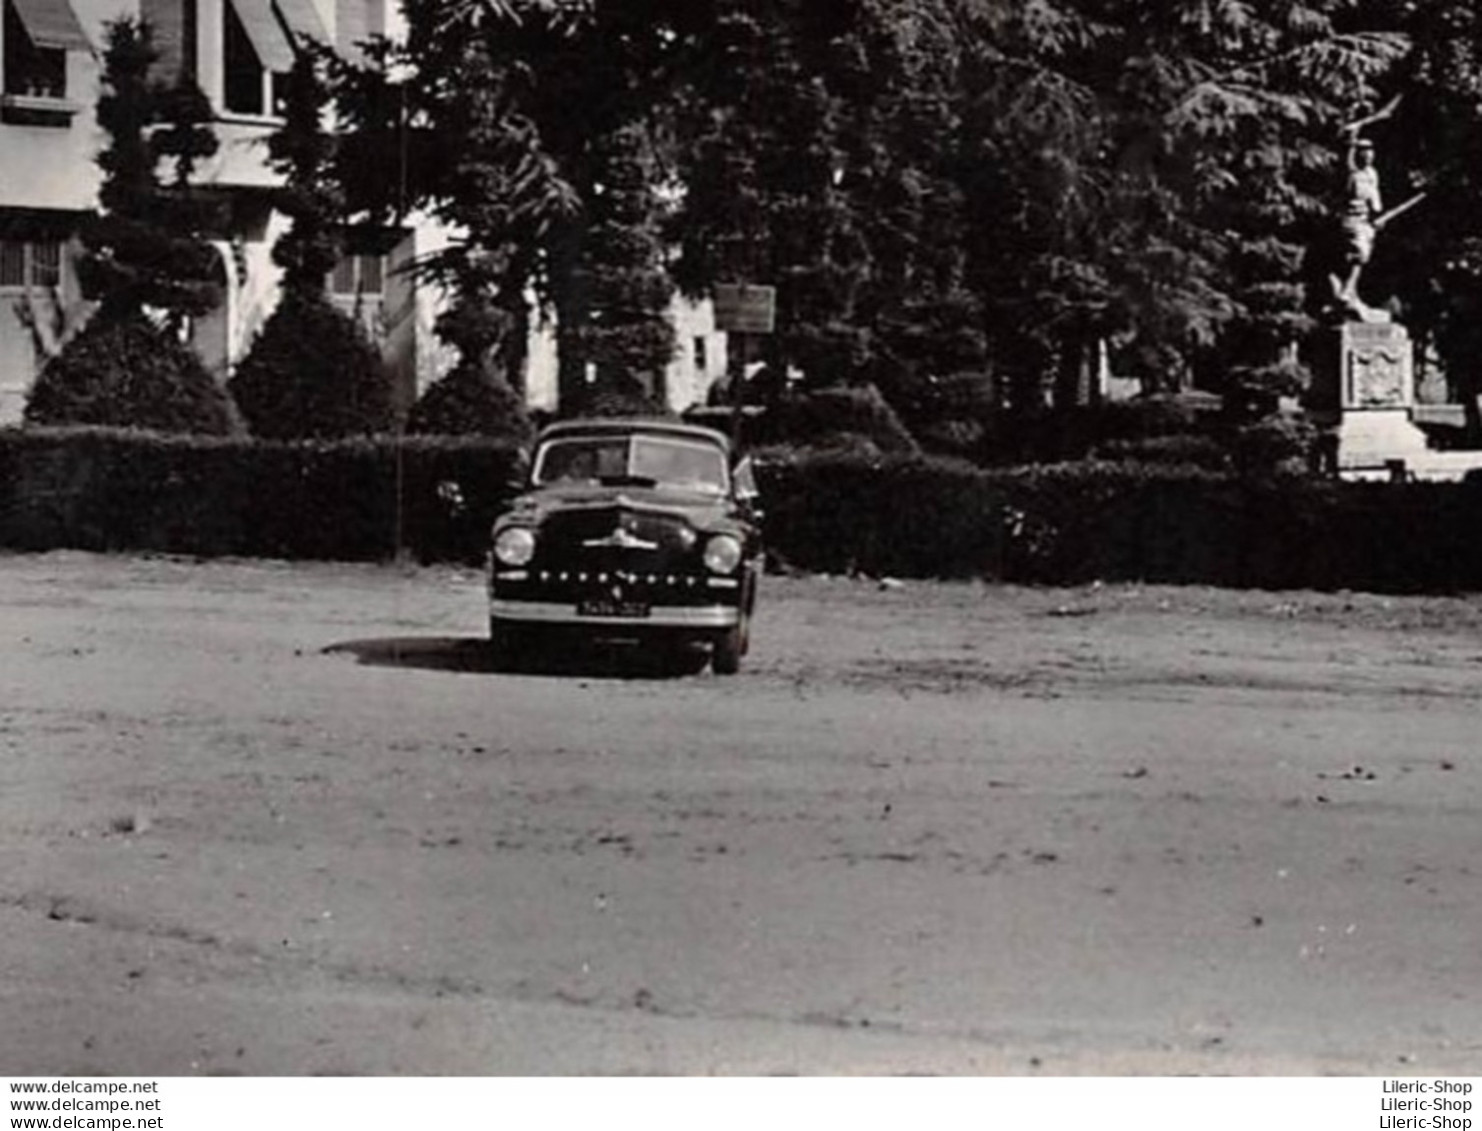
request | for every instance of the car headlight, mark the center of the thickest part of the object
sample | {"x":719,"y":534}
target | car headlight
{"x":722,"y":554}
{"x":514,"y":545}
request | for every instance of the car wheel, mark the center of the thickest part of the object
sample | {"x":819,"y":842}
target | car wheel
{"x":506,"y":643}
{"x":730,"y":646}
{"x":687,"y":659}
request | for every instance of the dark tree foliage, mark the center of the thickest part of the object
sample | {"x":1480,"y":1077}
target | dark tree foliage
{"x":619,"y":290}
{"x":303,"y":151}
{"x":935,"y":187}
{"x":1429,"y":265}
{"x":311,"y":371}
{"x":1151,"y":174}
{"x":148,"y":247}
{"x":123,"y":372}
{"x":529,"y":128}
{"x":763,"y":162}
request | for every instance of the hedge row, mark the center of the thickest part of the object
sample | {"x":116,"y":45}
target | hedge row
{"x":902,"y":515}
{"x":361,"y":499}
{"x":1072,"y":523}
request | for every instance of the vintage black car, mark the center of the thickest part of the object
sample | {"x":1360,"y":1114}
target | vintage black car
{"x":631,"y":530}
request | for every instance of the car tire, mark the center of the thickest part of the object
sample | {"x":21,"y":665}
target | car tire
{"x":506,"y":643}
{"x":687,"y":659}
{"x":730,"y":646}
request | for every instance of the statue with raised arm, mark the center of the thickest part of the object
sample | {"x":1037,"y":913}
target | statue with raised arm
{"x":1363,"y":215}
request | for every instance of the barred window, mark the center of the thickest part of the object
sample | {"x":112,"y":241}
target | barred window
{"x":46,"y":264}
{"x":372,"y":274}
{"x":30,"y":264}
{"x":12,"y":264}
{"x":359,"y":275}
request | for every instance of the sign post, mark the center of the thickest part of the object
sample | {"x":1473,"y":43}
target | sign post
{"x":742,"y":310}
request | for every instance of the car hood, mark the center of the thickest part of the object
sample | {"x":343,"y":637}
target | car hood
{"x":700,"y":509}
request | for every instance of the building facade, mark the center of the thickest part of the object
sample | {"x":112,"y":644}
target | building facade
{"x":50,"y":63}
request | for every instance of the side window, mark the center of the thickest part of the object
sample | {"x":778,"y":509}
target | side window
{"x":244,"y":70}
{"x":34,"y":67}
{"x":256,"y":52}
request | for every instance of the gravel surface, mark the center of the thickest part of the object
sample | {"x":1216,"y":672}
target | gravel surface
{"x":265,"y":818}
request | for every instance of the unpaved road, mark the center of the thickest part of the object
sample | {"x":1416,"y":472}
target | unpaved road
{"x":269,"y":819}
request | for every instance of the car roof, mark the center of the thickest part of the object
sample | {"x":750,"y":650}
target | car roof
{"x":609,"y":425}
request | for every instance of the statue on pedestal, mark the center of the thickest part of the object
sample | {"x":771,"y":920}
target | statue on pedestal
{"x":1362,"y":217}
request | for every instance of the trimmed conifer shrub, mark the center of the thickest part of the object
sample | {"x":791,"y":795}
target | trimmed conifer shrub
{"x":470,"y":400}
{"x":312,"y":373}
{"x":146,"y":251}
{"x":123,"y":371}
{"x":822,"y":415}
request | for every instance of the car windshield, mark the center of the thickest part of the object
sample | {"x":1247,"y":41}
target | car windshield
{"x":669,"y":461}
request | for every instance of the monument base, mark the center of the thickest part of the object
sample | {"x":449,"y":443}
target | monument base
{"x":1370,"y":392}
{"x":1375,"y":438}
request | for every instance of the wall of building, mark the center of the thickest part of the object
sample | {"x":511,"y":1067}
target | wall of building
{"x":51,"y":169}
{"x":51,"y":166}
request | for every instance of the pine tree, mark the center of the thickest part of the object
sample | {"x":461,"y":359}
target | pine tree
{"x":149,"y":247}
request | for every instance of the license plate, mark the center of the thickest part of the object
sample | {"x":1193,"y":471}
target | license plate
{"x":627,"y":610}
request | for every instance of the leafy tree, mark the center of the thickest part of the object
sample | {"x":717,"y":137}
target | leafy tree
{"x":452,"y":104}
{"x":934,"y":186}
{"x":1431,"y":266}
{"x":311,"y":370}
{"x":762,"y":160}
{"x":1149,"y":171}
{"x":903,"y":140}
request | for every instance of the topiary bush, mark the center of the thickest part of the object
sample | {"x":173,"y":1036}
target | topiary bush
{"x":1275,"y":445}
{"x":123,"y":371}
{"x":823,"y":416}
{"x":1187,"y":449}
{"x":470,"y":400}
{"x":621,"y":396}
{"x":313,"y":374}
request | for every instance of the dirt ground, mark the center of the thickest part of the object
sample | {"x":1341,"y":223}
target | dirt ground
{"x":282,"y":819}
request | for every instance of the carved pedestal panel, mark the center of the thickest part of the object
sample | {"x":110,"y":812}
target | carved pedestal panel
{"x":1377,"y":364}
{"x":1376,"y":391}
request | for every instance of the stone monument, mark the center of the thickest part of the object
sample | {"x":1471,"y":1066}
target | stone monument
{"x":1369,"y":368}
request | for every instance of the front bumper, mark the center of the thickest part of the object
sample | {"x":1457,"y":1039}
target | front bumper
{"x":659,"y":616}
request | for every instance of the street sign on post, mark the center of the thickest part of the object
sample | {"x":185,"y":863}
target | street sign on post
{"x":745,"y":308}
{"x":741,"y":310}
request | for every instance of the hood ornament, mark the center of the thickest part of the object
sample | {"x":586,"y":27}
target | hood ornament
{"x":622,"y":540}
